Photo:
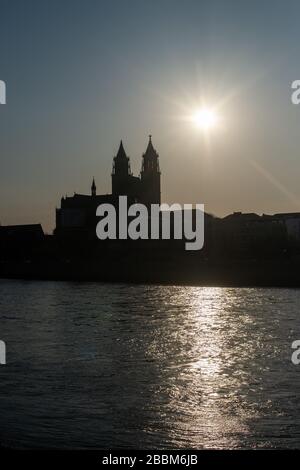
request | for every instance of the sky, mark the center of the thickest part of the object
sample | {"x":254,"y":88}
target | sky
{"x":83,"y":74}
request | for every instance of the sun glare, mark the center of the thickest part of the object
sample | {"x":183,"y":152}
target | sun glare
{"x":205,"y":118}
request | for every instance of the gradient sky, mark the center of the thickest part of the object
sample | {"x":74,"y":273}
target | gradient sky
{"x":82,"y":74}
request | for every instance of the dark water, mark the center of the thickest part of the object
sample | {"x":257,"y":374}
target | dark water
{"x":102,"y":366}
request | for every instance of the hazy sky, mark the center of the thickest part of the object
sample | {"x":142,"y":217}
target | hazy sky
{"x":82,"y":74}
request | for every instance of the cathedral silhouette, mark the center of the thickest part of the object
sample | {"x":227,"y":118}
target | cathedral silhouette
{"x":77,"y":214}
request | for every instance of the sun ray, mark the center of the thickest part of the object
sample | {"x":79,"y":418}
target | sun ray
{"x":290,"y":196}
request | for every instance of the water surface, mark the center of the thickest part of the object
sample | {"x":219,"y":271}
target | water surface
{"x":125,"y":366}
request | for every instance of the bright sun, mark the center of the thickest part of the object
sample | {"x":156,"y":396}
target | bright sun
{"x":205,"y":118}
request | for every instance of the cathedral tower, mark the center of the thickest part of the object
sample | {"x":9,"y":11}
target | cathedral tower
{"x":121,"y":172}
{"x":150,"y":176}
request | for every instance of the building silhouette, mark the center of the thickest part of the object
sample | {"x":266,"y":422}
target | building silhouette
{"x":150,"y":177}
{"x":240,"y":249}
{"x":77,"y":213}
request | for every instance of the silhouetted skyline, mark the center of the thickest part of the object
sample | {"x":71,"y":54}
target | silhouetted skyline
{"x":81,"y":76}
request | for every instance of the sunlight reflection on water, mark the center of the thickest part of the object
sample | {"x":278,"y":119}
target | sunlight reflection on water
{"x":93,"y":365}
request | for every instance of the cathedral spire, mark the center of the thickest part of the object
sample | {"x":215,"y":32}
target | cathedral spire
{"x":150,"y":148}
{"x":93,"y":188}
{"x":150,"y":158}
{"x":121,"y":165}
{"x":121,"y":152}
{"x":150,"y":176}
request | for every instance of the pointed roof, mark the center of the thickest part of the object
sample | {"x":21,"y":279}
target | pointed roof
{"x":121,"y":152}
{"x":93,"y":184}
{"x":150,"y":151}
